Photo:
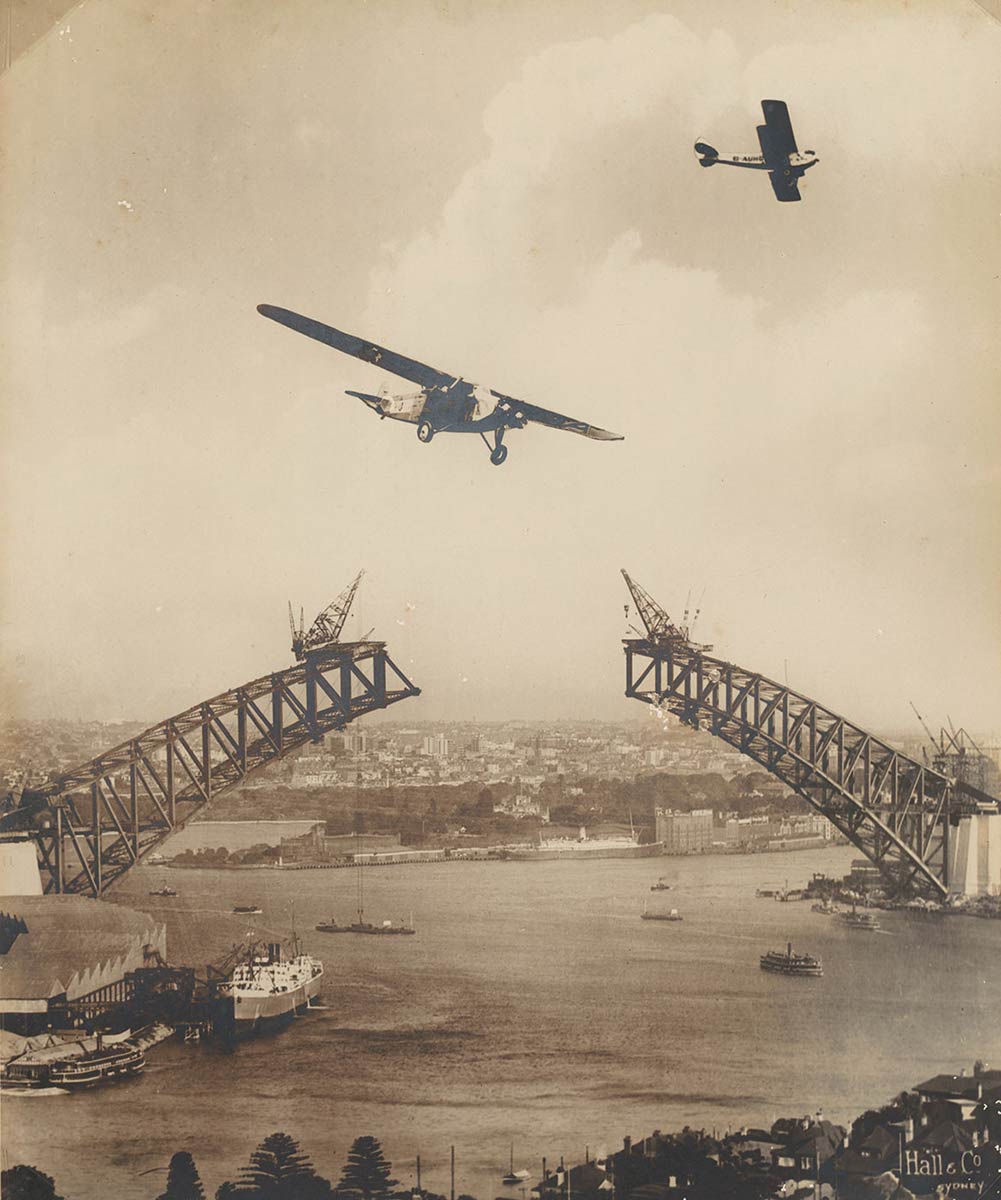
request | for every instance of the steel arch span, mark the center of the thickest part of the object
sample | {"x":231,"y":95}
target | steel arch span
{"x":93,"y":823}
{"x":900,"y":813}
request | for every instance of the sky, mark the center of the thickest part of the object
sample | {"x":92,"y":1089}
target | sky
{"x":507,"y":191}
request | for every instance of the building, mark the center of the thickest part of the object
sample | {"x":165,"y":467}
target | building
{"x":435,"y":745}
{"x":59,"y":949}
{"x":318,"y":846}
{"x":685,"y":833}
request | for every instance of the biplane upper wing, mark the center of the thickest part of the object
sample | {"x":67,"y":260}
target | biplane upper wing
{"x":407,"y":368}
{"x":555,"y":420}
{"x":780,"y":135}
{"x":784,"y":186}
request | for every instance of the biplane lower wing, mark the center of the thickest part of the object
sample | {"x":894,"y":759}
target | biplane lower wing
{"x":785,"y":187}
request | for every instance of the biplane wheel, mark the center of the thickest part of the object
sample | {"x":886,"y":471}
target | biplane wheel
{"x":425,"y":431}
{"x":498,"y":455}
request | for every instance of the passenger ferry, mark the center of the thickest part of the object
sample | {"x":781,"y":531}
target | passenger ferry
{"x":100,"y":1065}
{"x":860,"y":920}
{"x":791,"y":964}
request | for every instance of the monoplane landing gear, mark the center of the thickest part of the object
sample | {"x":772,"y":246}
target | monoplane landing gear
{"x":499,"y":451}
{"x":425,"y":431}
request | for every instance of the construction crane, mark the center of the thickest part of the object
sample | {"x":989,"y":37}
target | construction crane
{"x":327,"y":628}
{"x":659,"y":626}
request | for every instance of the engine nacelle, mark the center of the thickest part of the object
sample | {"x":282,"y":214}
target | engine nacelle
{"x":708,"y":154}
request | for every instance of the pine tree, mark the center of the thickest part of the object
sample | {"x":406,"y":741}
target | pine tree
{"x":278,"y":1170}
{"x":182,"y":1179}
{"x":27,"y":1183}
{"x":366,"y":1173}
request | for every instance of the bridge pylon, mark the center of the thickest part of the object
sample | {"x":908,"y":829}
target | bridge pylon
{"x":904,"y":816}
{"x":91,"y":824}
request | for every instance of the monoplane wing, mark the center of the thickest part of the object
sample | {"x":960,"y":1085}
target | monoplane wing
{"x":555,"y":420}
{"x":388,"y":360}
{"x":784,"y":186}
{"x":780,"y":133}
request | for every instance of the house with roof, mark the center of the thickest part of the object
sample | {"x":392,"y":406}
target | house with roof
{"x":806,"y":1159}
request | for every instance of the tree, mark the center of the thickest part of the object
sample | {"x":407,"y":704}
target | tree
{"x":278,"y":1170}
{"x":182,"y":1179}
{"x":366,"y":1174}
{"x":27,"y":1183}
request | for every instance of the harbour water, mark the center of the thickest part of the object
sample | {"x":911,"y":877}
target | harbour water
{"x":533,"y":1007}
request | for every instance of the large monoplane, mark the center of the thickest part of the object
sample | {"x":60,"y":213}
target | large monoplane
{"x":779,"y":156}
{"x":444,"y":403}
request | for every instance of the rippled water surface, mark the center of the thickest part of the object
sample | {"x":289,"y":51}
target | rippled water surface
{"x":534,"y":1007}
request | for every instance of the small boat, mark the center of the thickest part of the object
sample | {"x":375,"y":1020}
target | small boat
{"x":791,"y":964}
{"x":247,"y":909}
{"x":9,"y":1090}
{"x":673,"y":915}
{"x":825,"y":907}
{"x":166,"y":890}
{"x":513,"y":1177}
{"x":660,"y":886}
{"x":859,"y":920}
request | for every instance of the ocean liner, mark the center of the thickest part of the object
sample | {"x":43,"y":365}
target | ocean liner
{"x":583,"y":847}
{"x":268,"y":988}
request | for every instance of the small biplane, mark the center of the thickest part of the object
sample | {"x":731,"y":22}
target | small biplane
{"x":779,"y":156}
{"x":445,"y":403}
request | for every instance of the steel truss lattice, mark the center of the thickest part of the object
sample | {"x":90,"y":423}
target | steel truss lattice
{"x":95,"y":822}
{"x":898,"y":812}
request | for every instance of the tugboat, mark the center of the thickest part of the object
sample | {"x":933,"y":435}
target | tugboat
{"x":860,"y":920}
{"x":791,"y":964}
{"x":166,"y":890}
{"x":660,"y":886}
{"x":825,"y":907}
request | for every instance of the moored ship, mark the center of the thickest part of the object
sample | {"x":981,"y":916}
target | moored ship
{"x":102,"y":1064}
{"x":364,"y":927}
{"x":791,"y":964}
{"x":268,"y":988}
{"x":583,"y":847}
{"x":673,"y":915}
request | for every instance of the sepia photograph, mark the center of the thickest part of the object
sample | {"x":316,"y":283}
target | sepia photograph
{"x":601,"y":805}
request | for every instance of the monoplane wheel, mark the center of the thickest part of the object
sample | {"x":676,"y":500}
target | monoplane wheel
{"x":425,"y":431}
{"x":498,"y":455}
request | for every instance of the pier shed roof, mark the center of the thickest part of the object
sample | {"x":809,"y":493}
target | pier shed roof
{"x":69,"y":946}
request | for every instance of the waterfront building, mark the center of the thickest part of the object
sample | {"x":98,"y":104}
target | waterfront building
{"x":685,"y":832}
{"x":57,"y":950}
{"x":318,"y":846}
